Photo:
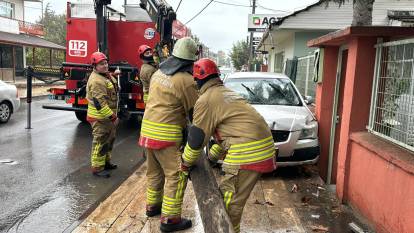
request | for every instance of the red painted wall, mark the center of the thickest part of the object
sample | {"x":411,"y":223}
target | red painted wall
{"x":383,"y":192}
{"x":324,"y":101}
{"x":356,"y":102}
{"x":373,"y":175}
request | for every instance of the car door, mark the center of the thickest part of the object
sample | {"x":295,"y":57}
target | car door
{"x":3,"y":91}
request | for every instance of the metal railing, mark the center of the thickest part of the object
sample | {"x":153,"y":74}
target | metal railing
{"x":304,"y":76}
{"x":31,"y":28}
{"x":392,"y":102}
{"x":27,"y":27}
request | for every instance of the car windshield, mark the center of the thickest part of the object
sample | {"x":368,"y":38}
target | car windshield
{"x":274,"y":91}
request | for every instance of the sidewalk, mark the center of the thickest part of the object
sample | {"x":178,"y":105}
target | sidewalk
{"x":40,"y":88}
{"x":124,"y":210}
{"x":273,"y":207}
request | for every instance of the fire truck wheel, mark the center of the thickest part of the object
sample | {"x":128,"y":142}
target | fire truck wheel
{"x":81,"y":116}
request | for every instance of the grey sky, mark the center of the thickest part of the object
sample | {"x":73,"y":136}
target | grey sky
{"x":218,"y":26}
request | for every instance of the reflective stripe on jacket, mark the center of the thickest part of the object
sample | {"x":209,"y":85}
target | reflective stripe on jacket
{"x":241,"y":131}
{"x":170,"y":100}
{"x":101,"y":91}
{"x":161,"y":131}
{"x":251,"y":152}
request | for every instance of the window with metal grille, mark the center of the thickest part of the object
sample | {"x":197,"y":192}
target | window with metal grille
{"x":304,"y":76}
{"x":279,"y":58}
{"x":392,"y":104}
{"x":7,"y":9}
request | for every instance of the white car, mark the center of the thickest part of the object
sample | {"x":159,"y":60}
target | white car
{"x":224,"y":72}
{"x":9,"y":101}
{"x":276,"y":98}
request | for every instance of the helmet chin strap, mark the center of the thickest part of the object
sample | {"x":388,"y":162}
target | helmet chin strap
{"x":148,"y":59}
{"x":200,"y":83}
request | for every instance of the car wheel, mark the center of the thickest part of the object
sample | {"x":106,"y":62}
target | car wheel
{"x":5,"y":112}
{"x":81,"y":116}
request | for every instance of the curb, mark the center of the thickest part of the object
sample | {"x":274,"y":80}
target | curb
{"x":24,"y":85}
{"x":33,"y":97}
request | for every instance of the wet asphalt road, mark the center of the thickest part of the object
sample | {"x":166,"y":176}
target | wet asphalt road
{"x":45,"y":184}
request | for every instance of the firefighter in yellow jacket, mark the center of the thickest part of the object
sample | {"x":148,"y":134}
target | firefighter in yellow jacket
{"x":172,"y":96}
{"x":148,"y":68}
{"x":101,"y":93}
{"x":244,"y":140}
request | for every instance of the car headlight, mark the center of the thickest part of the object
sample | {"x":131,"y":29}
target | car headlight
{"x":310,"y":130}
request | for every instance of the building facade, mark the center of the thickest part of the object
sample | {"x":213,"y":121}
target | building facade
{"x":285,"y":40}
{"x":16,"y":37}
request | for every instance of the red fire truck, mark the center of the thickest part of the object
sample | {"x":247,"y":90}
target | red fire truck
{"x":92,"y":27}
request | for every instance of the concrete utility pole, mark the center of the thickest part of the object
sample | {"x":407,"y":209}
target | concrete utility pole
{"x":251,"y":52}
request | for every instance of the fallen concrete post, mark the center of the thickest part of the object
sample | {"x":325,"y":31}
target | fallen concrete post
{"x":209,"y":199}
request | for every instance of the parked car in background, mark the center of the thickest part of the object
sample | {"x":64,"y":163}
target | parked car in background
{"x":276,"y":98}
{"x":9,"y":101}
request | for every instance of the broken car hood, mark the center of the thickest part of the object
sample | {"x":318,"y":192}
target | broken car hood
{"x":287,"y":118}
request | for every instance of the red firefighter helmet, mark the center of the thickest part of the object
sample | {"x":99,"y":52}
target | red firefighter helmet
{"x":142,"y":49}
{"x":97,"y":57}
{"x":204,"y":68}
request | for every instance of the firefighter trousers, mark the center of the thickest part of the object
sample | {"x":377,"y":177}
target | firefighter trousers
{"x":166,"y":183}
{"x":236,"y":186}
{"x":103,"y":133}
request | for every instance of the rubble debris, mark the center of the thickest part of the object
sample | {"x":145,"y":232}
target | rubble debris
{"x":317,"y":216}
{"x":355,"y":228}
{"x":294,"y":188}
{"x":257,"y":202}
{"x":305,"y":200}
{"x":321,"y":188}
{"x":336,"y":209}
{"x":316,"y":194}
{"x":320,"y":229}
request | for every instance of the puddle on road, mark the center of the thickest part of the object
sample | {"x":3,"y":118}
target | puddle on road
{"x":63,"y":205}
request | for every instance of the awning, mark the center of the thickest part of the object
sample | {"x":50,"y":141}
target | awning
{"x":28,"y":40}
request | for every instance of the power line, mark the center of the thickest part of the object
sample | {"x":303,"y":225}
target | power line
{"x":270,"y":9}
{"x":199,"y":12}
{"x":248,"y":6}
{"x":231,"y":4}
{"x":182,"y":26}
{"x":179,"y":4}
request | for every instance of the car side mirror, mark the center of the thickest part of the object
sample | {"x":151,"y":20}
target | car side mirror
{"x":309,"y":100}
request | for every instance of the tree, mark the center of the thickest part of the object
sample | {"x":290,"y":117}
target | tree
{"x":221,"y":58}
{"x":362,"y":14}
{"x":54,"y":26}
{"x":239,"y":54}
{"x":195,"y":38}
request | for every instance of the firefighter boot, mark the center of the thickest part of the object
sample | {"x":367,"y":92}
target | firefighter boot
{"x":153,"y":211}
{"x":179,"y":225}
{"x":110,"y":166}
{"x":101,"y":173}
